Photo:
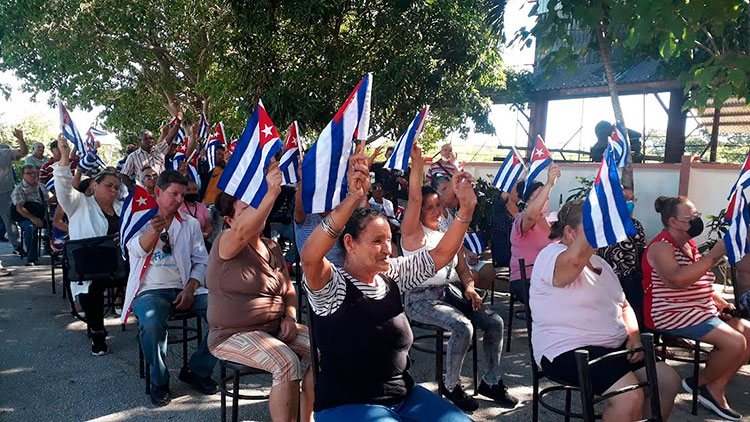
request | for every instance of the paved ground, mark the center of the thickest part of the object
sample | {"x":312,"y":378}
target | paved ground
{"x":48,"y":374}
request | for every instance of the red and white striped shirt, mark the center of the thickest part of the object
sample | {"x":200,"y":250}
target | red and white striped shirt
{"x":666,"y":308}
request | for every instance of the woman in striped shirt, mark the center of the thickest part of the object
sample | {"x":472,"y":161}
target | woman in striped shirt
{"x":679,"y":299}
{"x":362,"y":334}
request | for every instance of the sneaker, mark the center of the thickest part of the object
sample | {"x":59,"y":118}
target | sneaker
{"x":160,"y":395}
{"x":31,"y":263}
{"x":459,"y":397}
{"x":498,"y":393}
{"x":205,"y":385}
{"x":99,"y":344}
{"x":707,"y":400}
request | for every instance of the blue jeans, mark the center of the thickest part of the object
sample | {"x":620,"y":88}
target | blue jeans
{"x":152,"y":308}
{"x":29,"y":238}
{"x":420,"y":405}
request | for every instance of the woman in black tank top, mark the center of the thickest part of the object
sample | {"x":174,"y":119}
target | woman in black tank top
{"x":362,"y":334}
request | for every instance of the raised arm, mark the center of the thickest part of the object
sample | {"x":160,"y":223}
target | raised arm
{"x":250,"y":223}
{"x":23,"y":149}
{"x":371,"y":158}
{"x":68,"y":197}
{"x":453,"y":239}
{"x":412,"y":235}
{"x":168,"y":134}
{"x":316,"y":267}
{"x":534,"y":208}
{"x":661,"y":257}
{"x":570,"y":263}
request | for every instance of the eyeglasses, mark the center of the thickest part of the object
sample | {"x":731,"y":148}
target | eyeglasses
{"x":689,"y":217}
{"x":150,"y":176}
{"x":167,"y":248}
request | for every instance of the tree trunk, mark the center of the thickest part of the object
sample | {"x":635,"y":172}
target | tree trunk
{"x":715,"y":134}
{"x":605,"y":53}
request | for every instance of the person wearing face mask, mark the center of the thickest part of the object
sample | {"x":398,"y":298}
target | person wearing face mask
{"x":577,"y":304}
{"x":530,"y":231}
{"x":679,"y":299}
{"x":192,"y":205}
{"x":625,"y":259}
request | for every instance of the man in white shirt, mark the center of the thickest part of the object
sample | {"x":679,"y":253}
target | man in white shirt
{"x":167,"y":273}
{"x":384,"y":205}
{"x":149,"y":154}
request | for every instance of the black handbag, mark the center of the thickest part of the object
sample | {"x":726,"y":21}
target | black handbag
{"x":95,"y":258}
{"x":454,"y":296}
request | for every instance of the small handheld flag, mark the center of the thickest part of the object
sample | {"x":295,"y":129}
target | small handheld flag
{"x":70,"y":131}
{"x":606,"y":219}
{"x":138,"y":209}
{"x":91,"y":136}
{"x":620,"y":144}
{"x":244,"y":176}
{"x":474,"y":243}
{"x":402,"y":150}
{"x":179,"y":138}
{"x":743,"y":180}
{"x":540,"y":160}
{"x":324,"y":165}
{"x":214,"y":141}
{"x":50,"y":185}
{"x":180,"y":154}
{"x":508,"y":174}
{"x":290,"y":158}
{"x":231,"y":146}
{"x":738,"y":217}
{"x":203,"y":127}
{"x":91,"y":161}
{"x":192,"y":168}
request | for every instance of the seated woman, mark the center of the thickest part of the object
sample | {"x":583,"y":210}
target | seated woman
{"x":191,"y":205}
{"x":531,"y":231}
{"x":148,"y":180}
{"x":577,"y":303}
{"x":89,"y":216}
{"x":427,"y":304}
{"x":252,"y":304}
{"x":680,"y":300}
{"x":362,"y":334}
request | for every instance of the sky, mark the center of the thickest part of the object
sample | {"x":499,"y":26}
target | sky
{"x":570,"y":122}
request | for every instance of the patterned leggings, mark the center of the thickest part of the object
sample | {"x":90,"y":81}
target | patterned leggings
{"x":259,"y":349}
{"x":435,"y":311}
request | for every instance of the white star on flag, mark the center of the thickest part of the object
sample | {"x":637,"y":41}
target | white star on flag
{"x":141,"y":201}
{"x":539,"y":153}
{"x":267,"y":130}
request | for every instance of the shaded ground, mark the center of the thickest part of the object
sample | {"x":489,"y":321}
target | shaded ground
{"x":48,"y":374}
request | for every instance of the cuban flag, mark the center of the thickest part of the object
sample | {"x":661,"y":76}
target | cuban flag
{"x":244,"y":176}
{"x":70,"y":131}
{"x":203,"y":127}
{"x":50,"y":185}
{"x":324,"y":165}
{"x":512,"y":168}
{"x":91,"y":136}
{"x":738,"y":217}
{"x":399,"y":160}
{"x":400,"y":213}
{"x":290,"y":158}
{"x":231,"y":146}
{"x":192,"y":168}
{"x":91,"y":161}
{"x":179,"y":138}
{"x":606,"y":219}
{"x":180,"y":154}
{"x":540,"y":160}
{"x":215,"y":140}
{"x":474,"y":243}
{"x":620,"y":144}
{"x":138,"y":209}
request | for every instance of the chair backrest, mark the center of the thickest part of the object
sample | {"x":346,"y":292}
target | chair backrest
{"x":93,"y":259}
{"x":651,"y":384}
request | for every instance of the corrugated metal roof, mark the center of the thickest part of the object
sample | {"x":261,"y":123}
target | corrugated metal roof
{"x":734,"y":117}
{"x":592,"y":75}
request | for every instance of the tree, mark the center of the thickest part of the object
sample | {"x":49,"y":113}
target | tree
{"x":142,"y":57}
{"x":36,"y":128}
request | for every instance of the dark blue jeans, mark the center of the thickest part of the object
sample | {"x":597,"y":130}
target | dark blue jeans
{"x":30,"y":239}
{"x":152,"y":308}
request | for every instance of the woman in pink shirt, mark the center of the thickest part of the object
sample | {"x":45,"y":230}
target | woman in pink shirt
{"x":194,"y":208}
{"x":530,"y":231}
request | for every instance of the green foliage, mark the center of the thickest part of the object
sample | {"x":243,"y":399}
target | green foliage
{"x":487,"y":195}
{"x":140,"y":58}
{"x":716,"y":226}
{"x":36,"y":128}
{"x":582,"y":191}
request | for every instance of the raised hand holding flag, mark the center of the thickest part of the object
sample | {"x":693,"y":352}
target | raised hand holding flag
{"x":399,"y":159}
{"x":70,"y":131}
{"x":216,"y":140}
{"x":540,"y":160}
{"x":325,"y":163}
{"x":244,"y":174}
{"x":203,"y":127}
{"x":509,"y":172}
{"x":137,"y":210}
{"x":606,"y":219}
{"x":290,"y":158}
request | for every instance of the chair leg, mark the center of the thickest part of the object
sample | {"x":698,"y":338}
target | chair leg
{"x":567,"y":405}
{"x":492,"y":291}
{"x":534,"y":396}
{"x":184,"y":343}
{"x":223,"y":372}
{"x":236,"y":396}
{"x":52,"y":266}
{"x":439,"y":359}
{"x":511,"y":305}
{"x":474,"y":358}
{"x":696,"y":372}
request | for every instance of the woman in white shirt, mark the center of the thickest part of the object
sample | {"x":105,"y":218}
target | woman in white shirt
{"x":426,"y":303}
{"x":577,"y":303}
{"x":89,"y":216}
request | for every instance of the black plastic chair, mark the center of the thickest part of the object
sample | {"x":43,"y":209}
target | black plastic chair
{"x":439,"y":351}
{"x":238,"y":371}
{"x":188,"y":334}
{"x":500,"y":274}
{"x":698,"y":356}
{"x":538,"y":396}
{"x":512,"y":311}
{"x":586,"y":366}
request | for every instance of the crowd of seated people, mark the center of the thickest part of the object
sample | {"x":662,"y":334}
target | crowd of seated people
{"x":368,"y":269}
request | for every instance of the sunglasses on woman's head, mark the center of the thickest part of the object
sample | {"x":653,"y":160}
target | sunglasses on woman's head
{"x":167,"y":248}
